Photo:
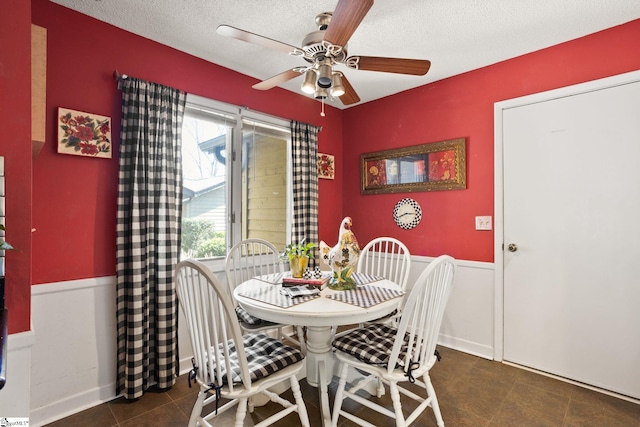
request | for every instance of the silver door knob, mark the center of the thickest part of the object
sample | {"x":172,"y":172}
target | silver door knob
{"x":512,"y":247}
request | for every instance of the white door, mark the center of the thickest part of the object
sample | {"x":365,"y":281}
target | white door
{"x":571,"y":194}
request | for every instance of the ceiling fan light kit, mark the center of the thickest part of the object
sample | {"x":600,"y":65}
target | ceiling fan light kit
{"x":321,"y":93}
{"x":309,"y":84}
{"x":337,"y":89}
{"x":325,"y":49}
{"x":324,"y":74}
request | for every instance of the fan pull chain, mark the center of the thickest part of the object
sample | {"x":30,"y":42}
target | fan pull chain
{"x":322,"y":111}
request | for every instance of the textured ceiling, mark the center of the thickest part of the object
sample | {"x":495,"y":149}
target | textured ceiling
{"x":455,"y":35}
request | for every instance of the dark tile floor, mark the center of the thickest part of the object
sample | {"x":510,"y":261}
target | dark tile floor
{"x":472,"y":392}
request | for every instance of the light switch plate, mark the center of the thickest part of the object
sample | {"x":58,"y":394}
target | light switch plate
{"x":483,"y":223}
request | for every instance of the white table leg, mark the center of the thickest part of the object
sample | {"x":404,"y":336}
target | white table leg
{"x":319,"y":349}
{"x":320,"y":366}
{"x":323,"y":393}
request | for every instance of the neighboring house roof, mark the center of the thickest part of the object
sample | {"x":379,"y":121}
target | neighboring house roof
{"x":196,"y":187}
{"x":208,"y":145}
{"x":215,"y":146}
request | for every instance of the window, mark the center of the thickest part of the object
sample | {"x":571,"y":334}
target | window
{"x":236,"y":178}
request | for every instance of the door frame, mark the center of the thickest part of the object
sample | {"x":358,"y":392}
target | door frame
{"x":499,"y":107}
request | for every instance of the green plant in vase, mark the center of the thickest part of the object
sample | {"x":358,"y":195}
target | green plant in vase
{"x":299,"y":254}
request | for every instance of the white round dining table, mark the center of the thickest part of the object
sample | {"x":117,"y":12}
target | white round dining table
{"x":319,"y":315}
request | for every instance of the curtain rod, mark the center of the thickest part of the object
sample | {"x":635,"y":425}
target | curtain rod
{"x":118,"y":76}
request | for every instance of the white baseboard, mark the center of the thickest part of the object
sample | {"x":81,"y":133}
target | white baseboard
{"x":72,"y":405}
{"x":484,"y":351}
{"x":14,"y":396}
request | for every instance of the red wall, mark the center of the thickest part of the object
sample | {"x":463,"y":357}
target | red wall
{"x":15,"y":146}
{"x":75,"y":198}
{"x":462,"y":106}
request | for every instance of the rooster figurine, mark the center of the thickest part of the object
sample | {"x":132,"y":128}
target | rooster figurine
{"x":342,"y":258}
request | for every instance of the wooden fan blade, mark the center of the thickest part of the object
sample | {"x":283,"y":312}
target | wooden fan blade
{"x":274,"y":81}
{"x":350,"y":96}
{"x":345,"y":20}
{"x":416,"y":67}
{"x":237,"y":33}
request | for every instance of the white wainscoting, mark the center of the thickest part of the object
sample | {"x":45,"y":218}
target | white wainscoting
{"x":73,"y":359}
{"x":14,"y":396}
{"x":469,"y":317}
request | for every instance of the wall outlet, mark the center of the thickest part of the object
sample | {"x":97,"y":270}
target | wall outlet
{"x":483,"y":223}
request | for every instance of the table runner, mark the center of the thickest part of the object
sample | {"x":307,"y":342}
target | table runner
{"x":366,"y":296}
{"x":271,"y":295}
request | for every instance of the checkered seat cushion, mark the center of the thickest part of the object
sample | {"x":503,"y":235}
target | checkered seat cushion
{"x":265,"y":355}
{"x":371,"y":344}
{"x":245,"y":317}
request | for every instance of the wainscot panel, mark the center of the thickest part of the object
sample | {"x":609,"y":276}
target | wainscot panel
{"x":14,"y":396}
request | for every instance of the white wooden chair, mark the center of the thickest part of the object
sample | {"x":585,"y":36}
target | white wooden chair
{"x":401,"y":354}
{"x":389,"y":258}
{"x":227,"y":364}
{"x":245,"y":260}
{"x":386,"y":257}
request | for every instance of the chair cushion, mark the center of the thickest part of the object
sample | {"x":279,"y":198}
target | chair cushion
{"x":245,"y":317}
{"x":371,"y":344}
{"x":265,"y":355}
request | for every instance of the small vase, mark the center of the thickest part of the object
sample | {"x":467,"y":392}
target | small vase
{"x":298,"y":265}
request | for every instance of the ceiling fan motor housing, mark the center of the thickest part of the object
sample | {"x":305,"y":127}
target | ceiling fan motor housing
{"x":314,"y":46}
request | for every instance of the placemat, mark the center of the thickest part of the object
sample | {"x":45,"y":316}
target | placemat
{"x":271,"y":295}
{"x":274,"y":279}
{"x":364,"y":278}
{"x":366,"y":296}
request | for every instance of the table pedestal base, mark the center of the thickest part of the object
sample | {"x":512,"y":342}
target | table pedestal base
{"x":319,"y":349}
{"x":320,"y":367}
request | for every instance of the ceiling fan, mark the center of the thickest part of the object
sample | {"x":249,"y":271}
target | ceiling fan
{"x":326,"y":47}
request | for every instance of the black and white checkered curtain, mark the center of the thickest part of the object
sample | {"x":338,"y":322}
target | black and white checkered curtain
{"x":148,"y":235}
{"x":304,"y":141}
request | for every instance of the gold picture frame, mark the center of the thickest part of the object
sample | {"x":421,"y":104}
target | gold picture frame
{"x":427,"y":167}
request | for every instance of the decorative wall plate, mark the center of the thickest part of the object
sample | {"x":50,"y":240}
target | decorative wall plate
{"x":407,"y":213}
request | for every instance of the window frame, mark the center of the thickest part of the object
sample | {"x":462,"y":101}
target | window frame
{"x":236,"y":117}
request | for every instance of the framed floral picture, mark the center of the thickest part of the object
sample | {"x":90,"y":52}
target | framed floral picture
{"x":326,"y":166}
{"x":83,"y":134}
